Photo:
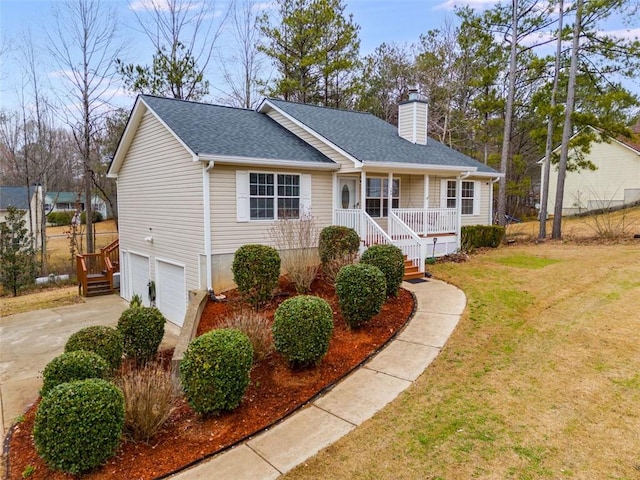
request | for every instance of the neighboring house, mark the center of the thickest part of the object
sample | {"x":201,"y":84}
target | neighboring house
{"x":21,"y":198}
{"x":197,"y":181}
{"x":615,"y":182}
{"x":69,"y":201}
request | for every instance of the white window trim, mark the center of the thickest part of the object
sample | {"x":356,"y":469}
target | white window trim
{"x":243,"y":198}
{"x":384,"y":195}
{"x":476,"y":195}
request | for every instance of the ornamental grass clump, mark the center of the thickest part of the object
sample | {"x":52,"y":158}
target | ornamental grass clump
{"x":337,"y":246}
{"x":256,"y":269}
{"x":390,"y":260}
{"x":215,"y":370}
{"x":142,"y":329}
{"x":150,"y":396}
{"x":105,"y":341}
{"x":79,"y":424}
{"x":302,"y":329}
{"x":257,"y":329}
{"x":361,"y":290}
{"x":71,"y":366}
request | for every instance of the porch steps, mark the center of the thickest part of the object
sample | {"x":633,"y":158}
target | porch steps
{"x":411,"y":272}
{"x":98,"y":286}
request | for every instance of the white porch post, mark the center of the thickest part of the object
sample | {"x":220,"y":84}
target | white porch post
{"x":426,"y":192}
{"x":425,"y":206}
{"x":363,"y":199}
{"x":334,"y":197}
{"x":389,"y":193}
{"x":458,"y":210}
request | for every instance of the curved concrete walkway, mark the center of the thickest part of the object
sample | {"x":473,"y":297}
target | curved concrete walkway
{"x":352,"y":401}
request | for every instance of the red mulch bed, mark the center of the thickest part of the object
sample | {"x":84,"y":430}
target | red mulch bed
{"x":274,"y":392}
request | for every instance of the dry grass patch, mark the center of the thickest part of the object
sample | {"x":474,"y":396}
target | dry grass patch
{"x":49,"y":298}
{"x":540,"y":379}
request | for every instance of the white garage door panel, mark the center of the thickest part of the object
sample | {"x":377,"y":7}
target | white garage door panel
{"x":171,"y":292}
{"x":140,"y":277}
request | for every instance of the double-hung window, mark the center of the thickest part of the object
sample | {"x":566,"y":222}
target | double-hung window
{"x":470,"y":198}
{"x":377,"y":201}
{"x":274,"y":196}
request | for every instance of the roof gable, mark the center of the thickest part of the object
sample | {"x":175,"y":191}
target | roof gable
{"x":372,"y":140}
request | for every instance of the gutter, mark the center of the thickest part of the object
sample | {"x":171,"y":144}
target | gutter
{"x":269,"y":162}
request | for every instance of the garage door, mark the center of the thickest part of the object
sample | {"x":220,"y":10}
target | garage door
{"x":171,"y":292}
{"x":139,"y":269}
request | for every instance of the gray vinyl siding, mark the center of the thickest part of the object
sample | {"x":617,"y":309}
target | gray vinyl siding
{"x":228,"y":234}
{"x":310,"y":139}
{"x":160,"y":188}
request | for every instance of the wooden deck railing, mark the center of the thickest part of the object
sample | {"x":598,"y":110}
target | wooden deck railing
{"x":98,"y":266}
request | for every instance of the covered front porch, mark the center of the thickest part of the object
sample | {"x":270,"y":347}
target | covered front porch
{"x":417,"y":212}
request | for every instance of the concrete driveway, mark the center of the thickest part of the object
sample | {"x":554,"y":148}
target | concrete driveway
{"x":28,"y":341}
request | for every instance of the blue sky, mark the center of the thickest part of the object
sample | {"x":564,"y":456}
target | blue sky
{"x":380,"y":21}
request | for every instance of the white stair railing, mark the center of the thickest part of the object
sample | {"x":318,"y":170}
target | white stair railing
{"x":372,"y":233}
{"x":414,"y":218}
{"x":407,"y":240}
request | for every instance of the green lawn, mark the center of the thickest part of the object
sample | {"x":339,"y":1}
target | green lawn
{"x":540,"y":380}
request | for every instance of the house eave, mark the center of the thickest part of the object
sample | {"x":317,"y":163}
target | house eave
{"x":267,"y":162}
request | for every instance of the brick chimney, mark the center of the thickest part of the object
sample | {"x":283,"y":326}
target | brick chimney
{"x":412,"y":118}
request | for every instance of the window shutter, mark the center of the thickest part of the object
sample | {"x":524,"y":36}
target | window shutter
{"x":242,"y":196}
{"x":305,"y":194}
{"x":477,"y":186}
{"x":443,"y":193}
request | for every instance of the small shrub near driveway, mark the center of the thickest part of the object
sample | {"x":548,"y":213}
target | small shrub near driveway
{"x":302,"y":329}
{"x":150,"y":396}
{"x":142,"y":329}
{"x":70,"y":366}
{"x":256,"y":269}
{"x":215,"y":370}
{"x":390,"y":260}
{"x":361,"y":290}
{"x":78,"y":425}
{"x":257,"y":329}
{"x":105,"y":341}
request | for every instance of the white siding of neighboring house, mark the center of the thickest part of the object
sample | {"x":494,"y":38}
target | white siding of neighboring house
{"x":160,"y":195}
{"x":618,"y":170}
{"x":228,"y":234}
{"x":310,"y":139}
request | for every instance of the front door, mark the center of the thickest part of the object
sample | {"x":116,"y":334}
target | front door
{"x":348,"y":193}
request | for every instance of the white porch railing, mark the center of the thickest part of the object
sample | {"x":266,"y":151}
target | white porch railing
{"x":428,"y":222}
{"x":407,"y":240}
{"x":348,"y":217}
{"x":370,"y":232}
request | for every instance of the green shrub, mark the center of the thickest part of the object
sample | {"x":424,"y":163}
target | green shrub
{"x":256,"y":269}
{"x":96,"y":216}
{"x":390,"y":260}
{"x":142,"y":329}
{"x":60,"y":219}
{"x":70,"y":366}
{"x":478,"y":236}
{"x":215,"y":370}
{"x":79,"y":424}
{"x":361,"y":290}
{"x":105,"y":341}
{"x":302,"y":329}
{"x":336,"y":242}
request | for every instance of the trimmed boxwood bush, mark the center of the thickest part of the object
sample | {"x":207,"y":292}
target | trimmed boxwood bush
{"x":79,"y":424}
{"x":256,"y":269}
{"x":70,"y":366}
{"x":142,"y":329}
{"x":337,"y":241}
{"x":105,"y":341}
{"x":390,"y":260}
{"x":302,"y":329}
{"x":215,"y":370}
{"x":361,"y":290}
{"x":478,"y":236}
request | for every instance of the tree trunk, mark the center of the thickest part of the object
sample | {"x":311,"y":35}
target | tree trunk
{"x":544,"y":197}
{"x":506,"y":140}
{"x":567,"y":130}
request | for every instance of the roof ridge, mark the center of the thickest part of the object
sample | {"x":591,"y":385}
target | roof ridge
{"x":321,"y":106}
{"x":194,"y":102}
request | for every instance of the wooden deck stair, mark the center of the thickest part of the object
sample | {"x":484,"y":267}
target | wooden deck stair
{"x":411,"y":272}
{"x":95,"y":270}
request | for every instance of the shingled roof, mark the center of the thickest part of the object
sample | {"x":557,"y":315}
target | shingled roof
{"x":218,"y":130}
{"x":16,"y":197}
{"x":370,"y":139}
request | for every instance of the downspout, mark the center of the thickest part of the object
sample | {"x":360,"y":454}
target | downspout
{"x":206,"y":200}
{"x":494,"y":180}
{"x":461,"y":177}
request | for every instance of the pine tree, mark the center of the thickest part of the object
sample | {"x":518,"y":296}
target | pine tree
{"x":18,"y":264}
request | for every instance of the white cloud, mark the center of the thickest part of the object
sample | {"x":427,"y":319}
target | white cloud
{"x":451,"y":4}
{"x":623,"y":34}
